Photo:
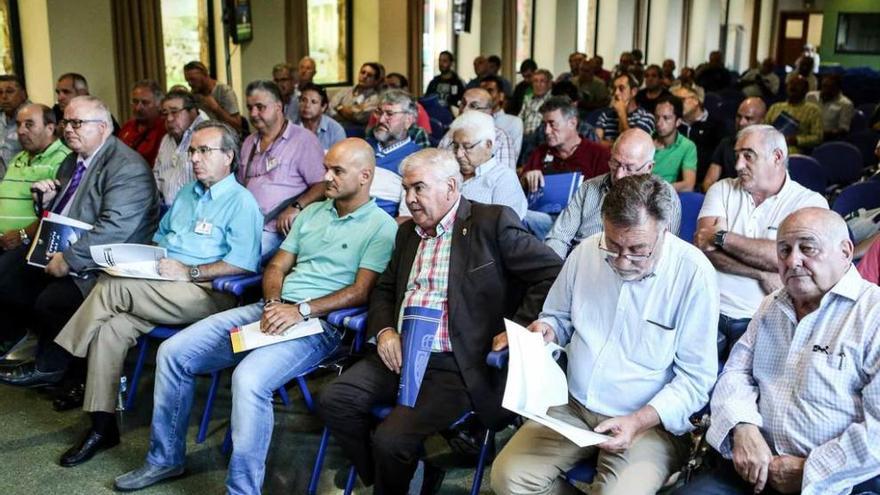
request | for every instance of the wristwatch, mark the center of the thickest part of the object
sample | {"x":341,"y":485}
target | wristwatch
{"x":24,"y":237}
{"x":719,"y":238}
{"x":297,"y":205}
{"x":305,"y":310}
{"x":194,"y":273}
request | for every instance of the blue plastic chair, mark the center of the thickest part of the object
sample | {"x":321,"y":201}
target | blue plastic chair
{"x":691,"y":202}
{"x":859,"y":121}
{"x":865,"y":141}
{"x":557,"y":192}
{"x":808,"y":172}
{"x":862,"y":195}
{"x":389,"y":207}
{"x":842,"y":161}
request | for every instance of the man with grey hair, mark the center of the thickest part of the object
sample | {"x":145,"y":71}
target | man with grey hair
{"x":460,"y":267}
{"x":632,"y":305}
{"x":738,"y":223}
{"x":173,"y":168}
{"x":632,"y":154}
{"x":796,"y":408}
{"x":542,"y":82}
{"x":146,"y":128}
{"x":283,"y":75}
{"x":722,"y":165}
{"x":480,"y":100}
{"x":396,"y":112}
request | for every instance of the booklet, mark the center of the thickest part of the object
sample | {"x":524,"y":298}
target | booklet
{"x":247,"y":337}
{"x":535,"y":383}
{"x":54,"y":235}
{"x":129,"y":260}
{"x":786,"y":124}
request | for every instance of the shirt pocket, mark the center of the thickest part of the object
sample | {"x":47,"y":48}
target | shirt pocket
{"x":830,"y":378}
{"x":652,"y":343}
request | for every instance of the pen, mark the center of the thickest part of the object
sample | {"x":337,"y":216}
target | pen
{"x":840,"y":364}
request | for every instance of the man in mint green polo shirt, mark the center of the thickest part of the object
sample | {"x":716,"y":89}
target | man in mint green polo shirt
{"x":39,"y":160}
{"x":331,"y":259}
{"x":676,"y":157}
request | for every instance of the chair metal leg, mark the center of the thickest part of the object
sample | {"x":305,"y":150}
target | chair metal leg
{"x":349,"y":483}
{"x":209,"y":408}
{"x":226,"y":448}
{"x":307,"y":396}
{"x":488,"y":442}
{"x":282,"y":392}
{"x":143,"y":346}
{"x":319,"y":462}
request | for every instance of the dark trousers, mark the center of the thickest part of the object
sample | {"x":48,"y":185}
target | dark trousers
{"x":729,"y":331}
{"x":724,"y":480}
{"x":39,"y":301}
{"x":389,"y":455}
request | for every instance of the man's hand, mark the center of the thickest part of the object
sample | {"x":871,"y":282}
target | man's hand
{"x":769,"y":282}
{"x":173,"y":269}
{"x":388,"y":346}
{"x":10,"y":240}
{"x":499,"y":341}
{"x":285,"y":219}
{"x":786,"y":473}
{"x":619,"y":105}
{"x":57,"y":266}
{"x":544,"y":329}
{"x":704,"y":237}
{"x":49,"y":188}
{"x":278,"y":317}
{"x":751,"y":455}
{"x":623,"y":429}
{"x":533,"y":180}
{"x":209,"y":103}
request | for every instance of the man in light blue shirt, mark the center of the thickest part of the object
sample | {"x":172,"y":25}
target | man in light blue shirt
{"x":330,"y":260}
{"x":636,"y":307}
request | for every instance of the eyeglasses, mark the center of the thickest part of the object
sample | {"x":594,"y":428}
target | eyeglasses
{"x":466,"y":147}
{"x":475,"y":105}
{"x":387,"y":113}
{"x":77,"y":123}
{"x":201,"y":150}
{"x":635,"y":258}
{"x":629,"y":168}
{"x":173,"y":111}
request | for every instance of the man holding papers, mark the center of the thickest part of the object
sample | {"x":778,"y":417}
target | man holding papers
{"x":330,"y":260}
{"x":636,"y":308}
{"x":211,"y":230}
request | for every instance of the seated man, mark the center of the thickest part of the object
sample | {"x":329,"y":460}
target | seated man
{"x":738,"y":224}
{"x":173,"y":168}
{"x":281,"y":163}
{"x":542,"y":81}
{"x":804,"y":68}
{"x":512,"y":125}
{"x":624,"y":112}
{"x":565,"y":151}
{"x":480,"y":100}
{"x":761,"y":82}
{"x":212,"y":229}
{"x":632,"y":154}
{"x":593,"y":90}
{"x":837,"y":109}
{"x":650,"y":95}
{"x":632,"y":305}
{"x":12,"y":97}
{"x":676,"y":156}
{"x":313,"y":104}
{"x":696,"y":124}
{"x":284,"y":76}
{"x":216,"y":99}
{"x":467,"y":262}
{"x":722,"y":165}
{"x":391,"y":142}
{"x":330,"y":260}
{"x":446,"y":85}
{"x":807,"y":132}
{"x":144,"y":131}
{"x":353,"y":106}
{"x":795,"y":410}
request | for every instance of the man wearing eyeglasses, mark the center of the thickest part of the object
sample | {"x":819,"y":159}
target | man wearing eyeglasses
{"x":173,"y":170}
{"x":632,"y":154}
{"x":145,"y":130}
{"x":480,"y":100}
{"x":212,"y":230}
{"x":633,"y":306}
{"x":512,"y":125}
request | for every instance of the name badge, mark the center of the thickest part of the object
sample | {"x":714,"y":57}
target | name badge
{"x":204,"y":227}
{"x":271,"y":162}
{"x":548,"y":158}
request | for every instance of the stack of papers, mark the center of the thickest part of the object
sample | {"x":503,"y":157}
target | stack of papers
{"x":129,"y":260}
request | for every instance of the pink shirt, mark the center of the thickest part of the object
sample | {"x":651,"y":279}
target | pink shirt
{"x":869,"y":266}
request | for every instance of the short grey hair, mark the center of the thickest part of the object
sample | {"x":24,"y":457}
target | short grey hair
{"x":283,"y":66}
{"x":770,"y":136}
{"x":477,"y":125}
{"x":152,"y":86}
{"x":399,"y":97}
{"x":229,"y":140}
{"x":631,"y":200}
{"x":96,"y":103}
{"x":441,"y":162}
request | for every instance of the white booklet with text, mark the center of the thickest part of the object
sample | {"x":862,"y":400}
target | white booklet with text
{"x":129,"y":260}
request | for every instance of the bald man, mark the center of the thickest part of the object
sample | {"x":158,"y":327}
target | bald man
{"x":331,"y":260}
{"x":796,"y":408}
{"x":632,"y":154}
{"x":479,"y":100}
{"x":723,"y":164}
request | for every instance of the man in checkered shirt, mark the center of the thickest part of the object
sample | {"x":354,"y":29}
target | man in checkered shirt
{"x":796,"y":408}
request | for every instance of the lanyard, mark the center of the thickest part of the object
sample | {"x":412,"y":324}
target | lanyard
{"x":250,"y":159}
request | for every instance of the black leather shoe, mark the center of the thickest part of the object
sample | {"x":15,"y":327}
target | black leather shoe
{"x":27,"y":375}
{"x":69,"y":398}
{"x":91,"y":444}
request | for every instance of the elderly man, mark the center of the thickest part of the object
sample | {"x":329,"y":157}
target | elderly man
{"x":330,"y":260}
{"x":465,"y":262}
{"x":648,"y":96}
{"x":480,"y":100}
{"x":795,"y":410}
{"x":313,"y":105}
{"x":807,"y":126}
{"x":103,"y":183}
{"x":624,"y":112}
{"x":68,"y":86}
{"x":632,"y":154}
{"x":283,"y":77}
{"x":305,"y":71}
{"x":397,"y":114}
{"x":738,"y":224}
{"x":446,"y":85}
{"x":216,"y":99}
{"x":173,"y":169}
{"x":280,"y":163}
{"x":837,"y":109}
{"x":353,"y":106}
{"x":575,"y":59}
{"x":632,"y":305}
{"x":699,"y":127}
{"x":564,"y":151}
{"x":723,"y":162}
{"x":761,"y":81}
{"x":224,"y":241}
{"x":512,"y":125}
{"x":542,"y":81}
{"x":12,"y":97}
{"x":676,"y":156}
{"x":145,"y":130}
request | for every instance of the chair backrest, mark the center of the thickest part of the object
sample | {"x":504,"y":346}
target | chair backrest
{"x":389,"y":207}
{"x":691,"y":203}
{"x":435,"y":110}
{"x":808,"y":172}
{"x":867,"y":109}
{"x":859,"y":121}
{"x":556,"y":193}
{"x":862,"y":195}
{"x":865,"y":141}
{"x":842,"y":161}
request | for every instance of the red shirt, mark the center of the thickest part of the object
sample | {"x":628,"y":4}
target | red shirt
{"x":147,"y":141}
{"x":869,"y":267}
{"x":589,"y":158}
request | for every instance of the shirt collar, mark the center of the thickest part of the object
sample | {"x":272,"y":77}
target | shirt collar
{"x":849,"y":286}
{"x":394,"y":147}
{"x":445,"y":225}
{"x":224,"y":186}
{"x":486,"y":167}
{"x":187,"y":134}
{"x":361,"y":211}
{"x":52,"y":148}
{"x":88,"y":161}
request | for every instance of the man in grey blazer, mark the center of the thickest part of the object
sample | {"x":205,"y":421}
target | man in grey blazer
{"x":103,"y":183}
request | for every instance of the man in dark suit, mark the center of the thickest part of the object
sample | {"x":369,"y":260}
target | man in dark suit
{"x":103,"y":183}
{"x":471,"y":264}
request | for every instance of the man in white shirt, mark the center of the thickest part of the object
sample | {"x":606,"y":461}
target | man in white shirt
{"x":633,"y":306}
{"x":738,"y":223}
{"x":173,"y":168}
{"x":837,"y":109}
{"x":512,"y":125}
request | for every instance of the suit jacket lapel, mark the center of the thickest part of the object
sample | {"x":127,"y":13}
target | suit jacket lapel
{"x":458,"y":259}
{"x":92,"y":173}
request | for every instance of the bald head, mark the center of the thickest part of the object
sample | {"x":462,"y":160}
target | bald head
{"x":350,"y":165}
{"x":825,"y":222}
{"x":632,"y":154}
{"x":750,"y":112}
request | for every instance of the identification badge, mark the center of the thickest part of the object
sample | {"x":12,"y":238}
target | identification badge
{"x":548,"y":158}
{"x":271,"y":162}
{"x":204,"y":227}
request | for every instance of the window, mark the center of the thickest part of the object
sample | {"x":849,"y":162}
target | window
{"x":330,"y":40}
{"x":858,"y":33}
{"x":10,"y":39}
{"x":436,"y":37}
{"x":525,"y":24}
{"x":185,"y":29}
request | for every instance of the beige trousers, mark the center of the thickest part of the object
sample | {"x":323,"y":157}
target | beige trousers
{"x":116,"y":313}
{"x":537,"y":458}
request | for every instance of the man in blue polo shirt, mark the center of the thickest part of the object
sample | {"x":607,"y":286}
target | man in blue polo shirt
{"x":212,"y":229}
{"x":331,"y":259}
{"x":391,"y":142}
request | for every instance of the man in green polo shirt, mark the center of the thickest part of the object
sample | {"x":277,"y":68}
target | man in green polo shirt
{"x":42,"y":155}
{"x":676,"y":157}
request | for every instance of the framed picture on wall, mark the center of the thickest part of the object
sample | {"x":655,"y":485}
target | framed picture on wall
{"x":10,"y":39}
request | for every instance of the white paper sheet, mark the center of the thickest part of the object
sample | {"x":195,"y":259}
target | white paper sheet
{"x":536,"y":383}
{"x":129,"y":260}
{"x":247,"y":337}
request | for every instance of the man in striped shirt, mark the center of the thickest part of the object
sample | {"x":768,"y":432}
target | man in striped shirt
{"x":624,"y":113}
{"x":173,"y":168}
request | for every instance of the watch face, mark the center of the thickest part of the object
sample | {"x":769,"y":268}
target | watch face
{"x":305,"y":309}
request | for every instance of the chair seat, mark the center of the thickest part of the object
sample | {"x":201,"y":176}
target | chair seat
{"x":163,"y":333}
{"x":337,"y":318}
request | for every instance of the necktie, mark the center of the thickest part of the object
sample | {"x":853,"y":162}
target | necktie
{"x":71,"y":187}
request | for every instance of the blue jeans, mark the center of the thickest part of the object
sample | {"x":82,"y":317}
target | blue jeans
{"x":205,"y":347}
{"x":270,"y":242}
{"x":538,"y":223}
{"x":729,"y":331}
